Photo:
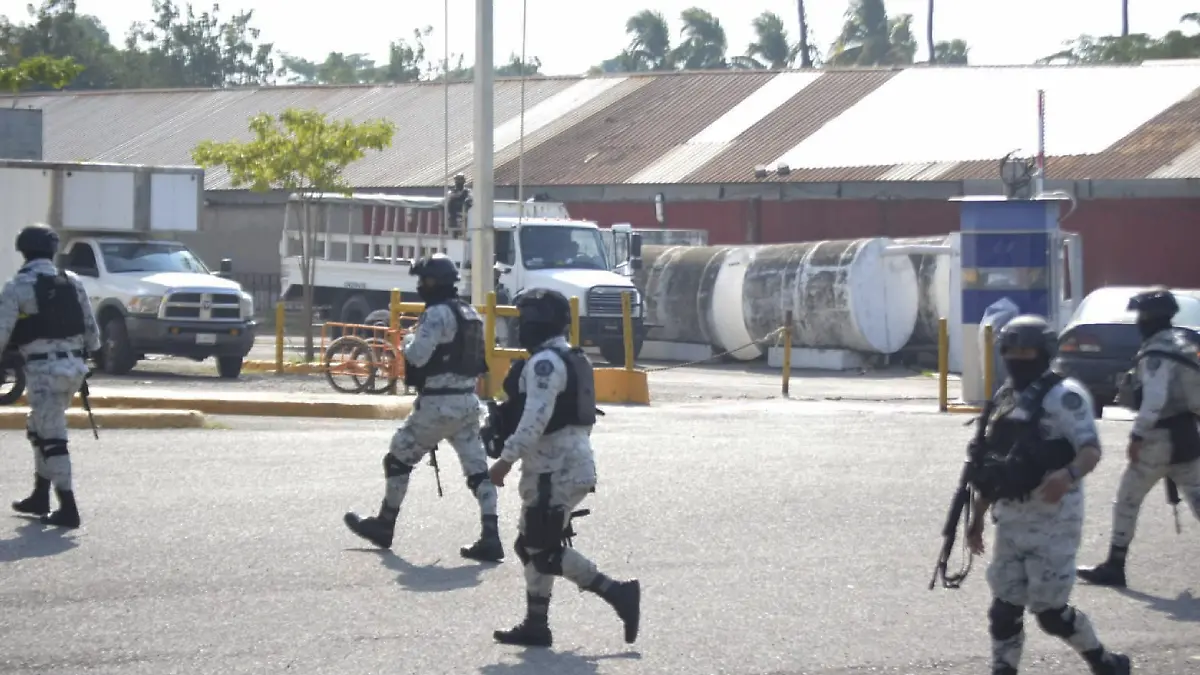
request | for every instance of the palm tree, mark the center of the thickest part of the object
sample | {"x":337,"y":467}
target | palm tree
{"x":804,"y":48}
{"x":953,"y":52}
{"x":929,"y":44}
{"x":1124,"y":18}
{"x":871,"y":38}
{"x":704,"y":44}
{"x":650,"y":47}
{"x":771,"y":48}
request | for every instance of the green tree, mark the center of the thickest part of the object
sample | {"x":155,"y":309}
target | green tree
{"x":1131,"y":48}
{"x":650,"y":43}
{"x":870,"y":37}
{"x":804,"y":47}
{"x":45,"y":71}
{"x":954,"y":52}
{"x":704,"y":44}
{"x":301,"y":152}
{"x":771,"y":47}
{"x":55,"y":29}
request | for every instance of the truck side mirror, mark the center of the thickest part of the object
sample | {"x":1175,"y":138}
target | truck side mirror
{"x":635,"y":264}
{"x":635,"y":246}
{"x":226,"y":266}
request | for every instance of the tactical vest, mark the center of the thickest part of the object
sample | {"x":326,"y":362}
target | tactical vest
{"x":576,"y":406}
{"x":1183,"y":393}
{"x":463,"y":356}
{"x":1018,"y":458}
{"x":59,"y":315}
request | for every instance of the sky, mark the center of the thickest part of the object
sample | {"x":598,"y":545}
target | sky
{"x":569,"y":36}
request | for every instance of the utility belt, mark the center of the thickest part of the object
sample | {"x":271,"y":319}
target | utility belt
{"x":78,"y":353}
{"x":445,"y":391}
{"x":549,"y":527}
{"x":1185,"y":436}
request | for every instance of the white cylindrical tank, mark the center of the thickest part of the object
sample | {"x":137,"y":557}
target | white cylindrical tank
{"x":844,"y":294}
{"x":673,"y":281}
{"x":933,"y":289}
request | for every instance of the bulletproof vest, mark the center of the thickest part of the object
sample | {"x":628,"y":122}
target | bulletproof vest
{"x":1178,"y":416}
{"x":576,"y":406}
{"x":59,"y":315}
{"x":1017,"y":454}
{"x":464,"y":355}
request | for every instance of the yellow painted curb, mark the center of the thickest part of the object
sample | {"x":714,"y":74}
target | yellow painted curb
{"x":375,"y":408}
{"x":289,"y":367}
{"x":617,"y":385}
{"x":14,"y":418}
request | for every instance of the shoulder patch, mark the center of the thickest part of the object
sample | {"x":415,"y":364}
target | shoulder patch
{"x":1072,"y":401}
{"x":543,"y":368}
{"x":1153,"y":362}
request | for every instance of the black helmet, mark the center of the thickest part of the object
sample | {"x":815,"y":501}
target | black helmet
{"x":1157,"y":303}
{"x":38,"y":241}
{"x":544,"y":306}
{"x":438,"y":267}
{"x":1028,"y":331}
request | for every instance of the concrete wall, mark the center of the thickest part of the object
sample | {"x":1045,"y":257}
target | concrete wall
{"x":21,"y":133}
{"x":246,"y":233}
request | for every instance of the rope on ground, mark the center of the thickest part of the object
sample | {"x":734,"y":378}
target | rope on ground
{"x":774,"y":338}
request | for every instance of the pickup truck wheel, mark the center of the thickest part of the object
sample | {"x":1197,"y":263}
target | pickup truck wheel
{"x":613,"y":351}
{"x":119,"y":357}
{"x":229,"y":367}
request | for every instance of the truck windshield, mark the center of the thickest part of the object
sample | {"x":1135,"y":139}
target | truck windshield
{"x":150,"y":257}
{"x":559,"y":247}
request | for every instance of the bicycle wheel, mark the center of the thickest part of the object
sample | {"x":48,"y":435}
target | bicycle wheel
{"x":349,"y":357}
{"x":383,"y":356}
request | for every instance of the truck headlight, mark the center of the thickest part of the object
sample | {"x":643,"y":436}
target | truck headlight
{"x":145,"y":304}
{"x":247,"y":305}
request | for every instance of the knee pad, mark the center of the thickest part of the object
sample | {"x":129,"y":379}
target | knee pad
{"x":54,"y":447}
{"x":549,"y":561}
{"x":394,"y":468}
{"x":522,"y":552}
{"x":1058,"y":622}
{"x":475,"y":480}
{"x":1005,"y":621}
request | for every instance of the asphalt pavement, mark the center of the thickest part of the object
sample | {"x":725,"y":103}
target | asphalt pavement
{"x":770,"y":536}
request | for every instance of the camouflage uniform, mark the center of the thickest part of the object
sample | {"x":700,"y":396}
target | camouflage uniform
{"x":1033,"y":555}
{"x":455,"y":418}
{"x":51,"y":381}
{"x":562,"y":463}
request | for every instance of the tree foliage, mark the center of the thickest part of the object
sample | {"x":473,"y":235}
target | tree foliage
{"x":300,"y":152}
{"x":44,"y":71}
{"x":1133,"y":47}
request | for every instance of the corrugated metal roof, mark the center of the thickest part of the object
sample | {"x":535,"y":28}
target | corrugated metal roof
{"x":912,"y":124}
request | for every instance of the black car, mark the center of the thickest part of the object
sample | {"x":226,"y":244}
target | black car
{"x":1099,"y":343}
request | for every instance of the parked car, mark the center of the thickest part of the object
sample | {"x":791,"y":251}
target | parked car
{"x":1101,"y":339}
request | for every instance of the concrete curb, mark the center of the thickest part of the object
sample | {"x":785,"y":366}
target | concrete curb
{"x":289,"y":367}
{"x":353,"y":407}
{"x":107,"y":419}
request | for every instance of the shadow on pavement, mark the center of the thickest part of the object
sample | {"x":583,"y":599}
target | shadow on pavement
{"x":35,"y":540}
{"x":540,"y":661}
{"x":430,"y":578}
{"x":1185,"y":607}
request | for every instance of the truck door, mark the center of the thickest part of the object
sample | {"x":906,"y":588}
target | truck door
{"x":82,"y":261}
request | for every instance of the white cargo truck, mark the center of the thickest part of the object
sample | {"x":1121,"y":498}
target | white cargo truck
{"x":365,"y":245}
{"x":116,"y":222}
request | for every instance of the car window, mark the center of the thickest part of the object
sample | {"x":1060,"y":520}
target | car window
{"x":1109,"y":307}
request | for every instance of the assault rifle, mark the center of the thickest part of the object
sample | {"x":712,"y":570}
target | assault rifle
{"x":961,"y":505}
{"x":1173,"y":500}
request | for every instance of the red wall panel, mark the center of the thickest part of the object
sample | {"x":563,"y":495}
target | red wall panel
{"x":1131,"y":241}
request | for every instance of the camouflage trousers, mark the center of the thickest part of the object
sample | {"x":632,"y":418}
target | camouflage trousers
{"x":455,"y":419}
{"x":49,"y":391}
{"x":567,"y":491}
{"x":1153,"y":465}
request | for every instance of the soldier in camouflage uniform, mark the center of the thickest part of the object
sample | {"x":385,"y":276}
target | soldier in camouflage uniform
{"x":558,"y":470}
{"x":443,"y":359}
{"x":46,"y":314}
{"x":1164,"y":442}
{"x":1038,"y":532}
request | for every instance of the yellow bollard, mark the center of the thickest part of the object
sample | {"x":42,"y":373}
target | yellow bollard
{"x":279,"y":325}
{"x":489,"y":341}
{"x":943,"y":365}
{"x":394,"y":308}
{"x":622,"y":385}
{"x":627,"y":327}
{"x":787,"y":352}
{"x":987,"y":362}
{"x":575,"y":321}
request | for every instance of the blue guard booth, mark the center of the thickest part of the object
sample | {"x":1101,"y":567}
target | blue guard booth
{"x":1010,"y":249}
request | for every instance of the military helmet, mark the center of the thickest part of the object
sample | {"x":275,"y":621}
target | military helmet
{"x":1154,"y":304}
{"x":544,"y":306}
{"x":1027,"y":337}
{"x":438,"y":267}
{"x":38,"y":239}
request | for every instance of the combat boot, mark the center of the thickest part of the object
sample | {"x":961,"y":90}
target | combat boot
{"x":1108,"y":663}
{"x":378,"y":530}
{"x":625,"y":597}
{"x":534,"y":631}
{"x":1111,"y":572}
{"x":1004,"y":670}
{"x":489,"y":547}
{"x":67,"y":514}
{"x":37,"y":503}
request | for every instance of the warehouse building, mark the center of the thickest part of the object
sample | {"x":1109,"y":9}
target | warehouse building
{"x":748,"y":156}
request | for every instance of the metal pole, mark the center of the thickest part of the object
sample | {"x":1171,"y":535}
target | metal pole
{"x":1039,"y":185}
{"x":483,"y":236}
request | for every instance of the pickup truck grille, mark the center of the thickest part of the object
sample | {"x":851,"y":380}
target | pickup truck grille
{"x":203,"y":306}
{"x":606,"y":301}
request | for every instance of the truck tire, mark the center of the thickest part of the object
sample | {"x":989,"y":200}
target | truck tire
{"x":229,"y":367}
{"x":119,"y":357}
{"x":613,"y":351}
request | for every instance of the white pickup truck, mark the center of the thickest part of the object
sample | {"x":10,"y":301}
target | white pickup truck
{"x":366,"y":244}
{"x":150,"y":293}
